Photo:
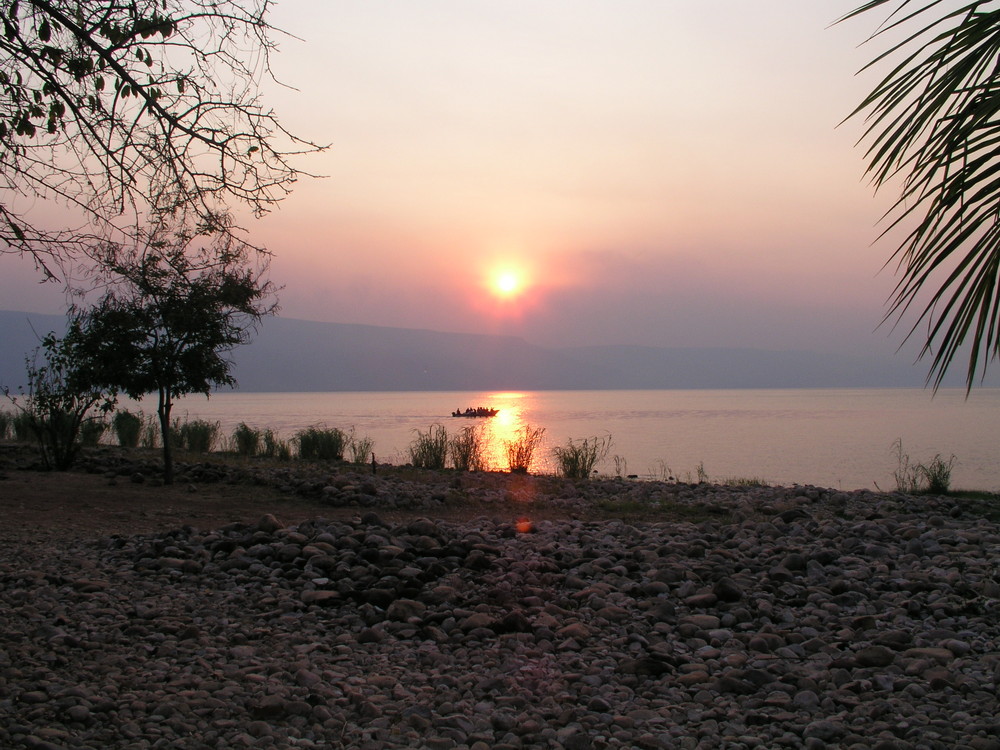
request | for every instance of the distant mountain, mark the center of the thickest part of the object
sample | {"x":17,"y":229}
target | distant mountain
{"x":299,"y":355}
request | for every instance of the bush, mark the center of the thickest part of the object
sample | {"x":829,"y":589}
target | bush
{"x":521,"y":450}
{"x":21,"y":426}
{"x":467,"y":449}
{"x":246,"y":440}
{"x":322,"y":443}
{"x":577,"y":460}
{"x":149,"y":437}
{"x":6,"y":424}
{"x":198,"y":436}
{"x":127,"y":427}
{"x":429,"y":450}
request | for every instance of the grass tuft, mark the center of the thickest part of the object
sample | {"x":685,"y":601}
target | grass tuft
{"x":576,"y":460}
{"x":521,"y":450}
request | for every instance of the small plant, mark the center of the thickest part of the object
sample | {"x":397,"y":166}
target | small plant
{"x":246,"y":440}
{"x":198,"y":436}
{"x":322,"y":443}
{"x":6,"y":424}
{"x":521,"y":450}
{"x":577,"y":460}
{"x":467,"y":449}
{"x":429,"y":450}
{"x":937,"y":475}
{"x":702,"y":474}
{"x":621,"y":466}
{"x":360,"y":448}
{"x":744,"y":482}
{"x":275,"y":447}
{"x":127,"y":428}
{"x":91,"y":430}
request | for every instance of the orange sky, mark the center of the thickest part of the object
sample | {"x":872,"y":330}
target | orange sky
{"x":658,"y":173}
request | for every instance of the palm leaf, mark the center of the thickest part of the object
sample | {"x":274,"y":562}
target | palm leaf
{"x":934,"y":122}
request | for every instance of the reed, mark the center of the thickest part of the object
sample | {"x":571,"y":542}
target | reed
{"x":246,"y":440}
{"x":521,"y":449}
{"x":322,"y":443}
{"x":360,"y":448}
{"x":468,"y":449}
{"x":275,"y":447}
{"x":91,"y":431}
{"x":576,"y":460}
{"x":198,"y":435}
{"x":6,"y":424}
{"x":429,"y":450}
{"x":127,"y":428}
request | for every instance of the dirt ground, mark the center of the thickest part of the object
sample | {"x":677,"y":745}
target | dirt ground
{"x":53,"y":506}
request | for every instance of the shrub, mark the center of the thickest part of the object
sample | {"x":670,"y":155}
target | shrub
{"x":6,"y":424}
{"x":91,"y":430}
{"x":127,"y":428}
{"x":275,"y":447}
{"x":429,"y":450}
{"x":198,"y":435}
{"x":246,"y":440}
{"x":467,"y":449}
{"x":907,"y":474}
{"x":577,"y":460}
{"x":521,"y":450}
{"x":322,"y":443}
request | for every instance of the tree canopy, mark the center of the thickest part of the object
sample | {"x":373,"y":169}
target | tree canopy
{"x":934,"y":122}
{"x":120,"y":109}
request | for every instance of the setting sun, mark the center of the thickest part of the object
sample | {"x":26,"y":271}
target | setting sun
{"x":507,"y":284}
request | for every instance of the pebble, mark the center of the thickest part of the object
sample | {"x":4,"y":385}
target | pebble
{"x":858,"y":620}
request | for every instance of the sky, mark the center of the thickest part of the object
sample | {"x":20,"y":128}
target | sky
{"x":645,"y":172}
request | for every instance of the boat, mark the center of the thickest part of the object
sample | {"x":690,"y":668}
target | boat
{"x":479,"y":411}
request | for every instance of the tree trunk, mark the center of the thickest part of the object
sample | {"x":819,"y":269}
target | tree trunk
{"x":163,"y":410}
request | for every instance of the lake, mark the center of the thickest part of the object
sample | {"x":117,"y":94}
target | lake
{"x":840,"y":438}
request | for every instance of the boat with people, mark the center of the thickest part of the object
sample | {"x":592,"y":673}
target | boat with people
{"x":479,"y":411}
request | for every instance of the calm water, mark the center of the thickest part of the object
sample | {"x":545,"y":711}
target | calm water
{"x":835,"y":438}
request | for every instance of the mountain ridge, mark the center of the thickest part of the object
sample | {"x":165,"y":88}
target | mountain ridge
{"x":288,"y":354}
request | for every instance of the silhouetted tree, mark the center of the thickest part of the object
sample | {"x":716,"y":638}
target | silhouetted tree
{"x":175,"y":307}
{"x":934,"y":121}
{"x":103,"y":105}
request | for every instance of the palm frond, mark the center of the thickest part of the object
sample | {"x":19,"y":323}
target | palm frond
{"x":934,"y":122}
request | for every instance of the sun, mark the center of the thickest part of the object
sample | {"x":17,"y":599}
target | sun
{"x":507,"y":284}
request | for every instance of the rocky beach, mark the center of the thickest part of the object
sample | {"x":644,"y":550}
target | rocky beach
{"x":422,"y":610}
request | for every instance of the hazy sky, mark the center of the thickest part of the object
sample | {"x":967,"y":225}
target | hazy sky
{"x":654,"y":171}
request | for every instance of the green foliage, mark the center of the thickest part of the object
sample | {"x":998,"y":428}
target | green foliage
{"x":61,"y":394}
{"x":934,"y":120}
{"x":198,"y":435}
{"x":429,"y":450}
{"x":576,"y":460}
{"x":127,"y":428}
{"x":246,"y":440}
{"x":467,"y":449}
{"x":322,"y":443}
{"x":521,"y":449}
